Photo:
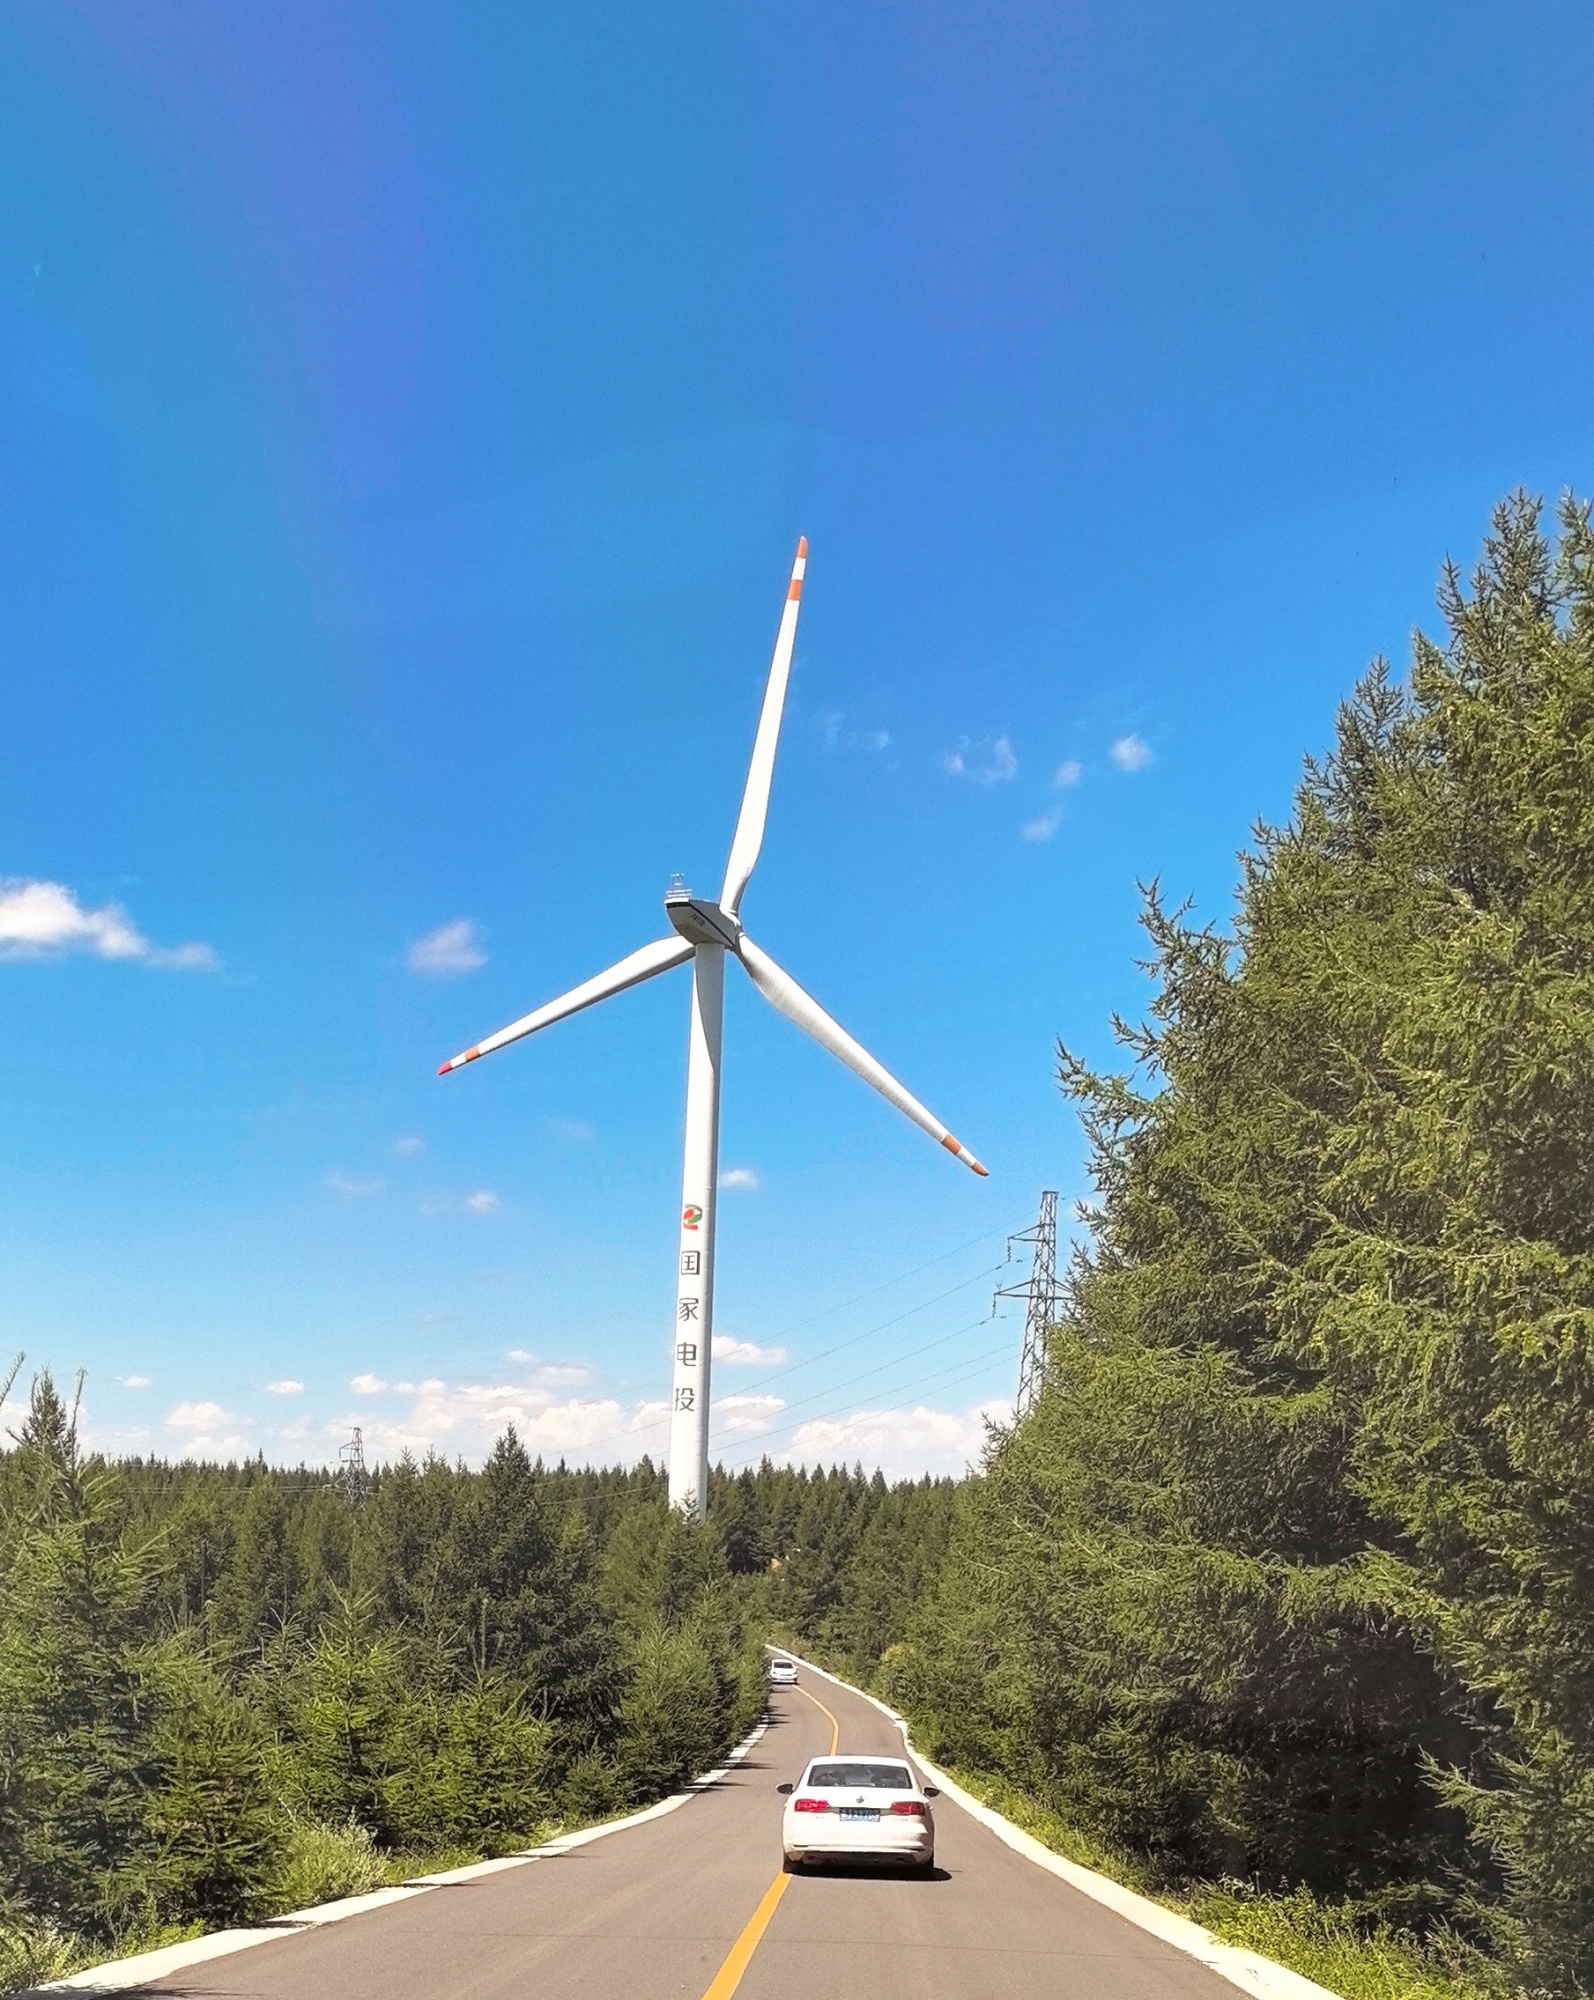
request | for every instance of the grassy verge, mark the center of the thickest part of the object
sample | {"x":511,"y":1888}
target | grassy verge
{"x":32,"y":1953}
{"x":1322,"y":1942}
{"x":323,"y":1865}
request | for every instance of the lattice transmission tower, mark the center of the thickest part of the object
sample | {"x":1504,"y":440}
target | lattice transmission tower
{"x":1040,"y":1295}
{"x":352,"y":1475}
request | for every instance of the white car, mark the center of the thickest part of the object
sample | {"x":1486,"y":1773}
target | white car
{"x":859,"y":1809}
{"x":782,"y":1672}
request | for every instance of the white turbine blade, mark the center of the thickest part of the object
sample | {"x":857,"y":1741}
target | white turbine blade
{"x":749,"y":836}
{"x":640,"y":965}
{"x":783,"y":992}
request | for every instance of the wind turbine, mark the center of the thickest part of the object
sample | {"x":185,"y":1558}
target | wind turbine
{"x":704,"y":932}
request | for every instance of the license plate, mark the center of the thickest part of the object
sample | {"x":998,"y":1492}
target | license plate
{"x":859,"y":1812}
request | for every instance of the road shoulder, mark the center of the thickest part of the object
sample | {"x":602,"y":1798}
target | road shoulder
{"x":1262,"y":1978}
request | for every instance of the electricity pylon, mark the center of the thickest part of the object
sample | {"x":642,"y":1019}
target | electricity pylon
{"x":352,"y":1475}
{"x":1041,"y":1297}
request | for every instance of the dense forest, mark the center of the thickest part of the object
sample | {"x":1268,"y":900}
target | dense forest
{"x":1286,"y":1581}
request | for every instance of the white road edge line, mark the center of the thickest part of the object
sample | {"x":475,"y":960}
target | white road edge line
{"x":1261,"y":1977}
{"x":122,"y":1975}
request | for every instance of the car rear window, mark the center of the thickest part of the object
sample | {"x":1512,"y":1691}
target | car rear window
{"x":861,"y":1777}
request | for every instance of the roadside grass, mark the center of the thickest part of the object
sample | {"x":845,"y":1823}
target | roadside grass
{"x":323,"y":1864}
{"x":1331,"y":1944}
{"x":1328,"y":1945}
{"x":32,"y":1953}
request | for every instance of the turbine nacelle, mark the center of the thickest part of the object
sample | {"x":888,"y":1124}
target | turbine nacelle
{"x":698,"y":920}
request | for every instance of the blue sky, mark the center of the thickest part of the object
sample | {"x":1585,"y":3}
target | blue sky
{"x":406,"y":418}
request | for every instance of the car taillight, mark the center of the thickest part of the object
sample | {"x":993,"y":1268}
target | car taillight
{"x":810,"y":1805}
{"x":909,"y":1808}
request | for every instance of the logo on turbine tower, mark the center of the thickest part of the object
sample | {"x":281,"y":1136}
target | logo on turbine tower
{"x":706,"y":933}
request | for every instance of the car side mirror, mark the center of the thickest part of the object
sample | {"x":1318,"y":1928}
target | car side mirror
{"x":785,"y":1788}
{"x":932,"y":1791}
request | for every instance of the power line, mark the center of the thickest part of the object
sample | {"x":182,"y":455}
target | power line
{"x":858,"y":1297}
{"x":960,"y":1370}
{"x":895,"y":1362}
{"x":621,"y":1437}
{"x":852,"y":1339}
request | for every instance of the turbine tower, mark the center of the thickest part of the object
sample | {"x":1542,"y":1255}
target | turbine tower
{"x":704,"y":932}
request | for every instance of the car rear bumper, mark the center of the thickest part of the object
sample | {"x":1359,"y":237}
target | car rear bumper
{"x":913,"y":1843}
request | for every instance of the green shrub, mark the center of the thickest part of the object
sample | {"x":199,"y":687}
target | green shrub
{"x":670,"y":1726}
{"x":322,"y":1862}
{"x":33,"y":1950}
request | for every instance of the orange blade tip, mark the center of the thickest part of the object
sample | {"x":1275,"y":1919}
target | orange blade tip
{"x":802,"y":545}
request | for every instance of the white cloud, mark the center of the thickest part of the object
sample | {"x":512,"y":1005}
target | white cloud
{"x":465,"y":1418}
{"x":745,"y":1416}
{"x":351,"y":1187}
{"x":904,"y":1443}
{"x":744,"y":1178}
{"x":575,"y":1131}
{"x":286,"y":1387}
{"x":736,"y":1353}
{"x":133,"y":1381}
{"x":409,"y":1147}
{"x":1130,"y":753}
{"x":46,"y":920}
{"x":367,"y":1385}
{"x":480,"y":1201}
{"x":202,"y":1427}
{"x":989,"y":760}
{"x":837,"y":736}
{"x":1043,"y":826}
{"x":448,"y":951}
{"x":551,"y":1374}
{"x":1068,"y":774}
{"x":196,"y":1417}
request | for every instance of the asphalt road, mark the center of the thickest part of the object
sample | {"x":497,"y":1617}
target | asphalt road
{"x":657,"y":1910}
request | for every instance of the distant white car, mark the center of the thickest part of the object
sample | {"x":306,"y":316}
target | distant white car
{"x":782,"y":1672}
{"x":859,"y":1809}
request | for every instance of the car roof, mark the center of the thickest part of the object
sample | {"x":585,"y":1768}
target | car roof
{"x":860,"y":1757}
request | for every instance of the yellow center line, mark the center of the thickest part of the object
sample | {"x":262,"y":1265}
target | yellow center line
{"x":729,"y":1976}
{"x":835,"y":1726}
